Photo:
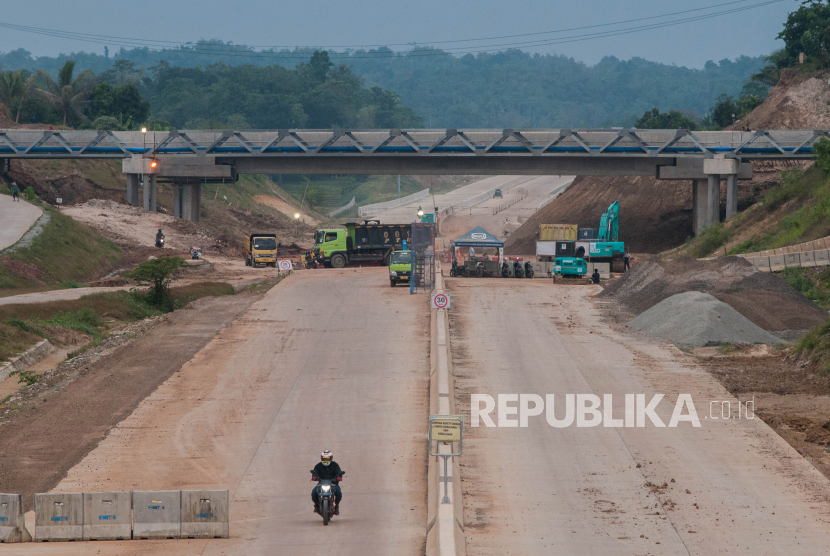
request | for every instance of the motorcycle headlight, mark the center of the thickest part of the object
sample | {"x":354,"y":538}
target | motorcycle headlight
{"x":326,"y":488}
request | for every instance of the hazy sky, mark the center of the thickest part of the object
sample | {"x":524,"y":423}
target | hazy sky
{"x":344,"y":22}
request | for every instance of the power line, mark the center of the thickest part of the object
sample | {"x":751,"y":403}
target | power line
{"x":228,"y":50}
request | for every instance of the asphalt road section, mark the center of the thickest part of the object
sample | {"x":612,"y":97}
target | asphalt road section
{"x":732,"y":486}
{"x":328,"y":359}
{"x":17,"y":218}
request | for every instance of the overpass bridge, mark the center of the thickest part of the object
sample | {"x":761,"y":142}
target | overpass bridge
{"x":188,"y":157}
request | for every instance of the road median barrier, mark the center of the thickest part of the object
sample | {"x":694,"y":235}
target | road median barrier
{"x":792,"y":259}
{"x":157,"y":514}
{"x":808,"y":258}
{"x":59,"y":517}
{"x":12,"y":522}
{"x":107,"y":516}
{"x":205,"y":514}
{"x":777,"y":263}
{"x":821,"y":257}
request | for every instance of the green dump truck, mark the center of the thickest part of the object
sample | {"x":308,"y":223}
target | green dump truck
{"x":369,"y":241}
{"x":400,"y":267}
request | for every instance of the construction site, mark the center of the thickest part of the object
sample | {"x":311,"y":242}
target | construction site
{"x":487,"y":341}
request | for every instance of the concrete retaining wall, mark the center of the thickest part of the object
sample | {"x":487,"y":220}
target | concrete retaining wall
{"x":29,"y":358}
{"x":205,"y":514}
{"x":107,"y":515}
{"x":367,"y":210}
{"x":337,"y":211}
{"x":12,"y":522}
{"x":59,"y":517}
{"x":777,"y":263}
{"x":157,"y":514}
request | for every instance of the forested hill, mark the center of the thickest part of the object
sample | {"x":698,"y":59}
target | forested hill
{"x":506,"y":89}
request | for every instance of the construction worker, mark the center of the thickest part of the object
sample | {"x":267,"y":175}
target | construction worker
{"x":627,"y":261}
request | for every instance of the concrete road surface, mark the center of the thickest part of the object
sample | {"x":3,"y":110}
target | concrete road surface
{"x":731,"y":486}
{"x":17,"y":218}
{"x":329,"y":359}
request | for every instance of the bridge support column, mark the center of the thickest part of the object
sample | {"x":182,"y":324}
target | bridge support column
{"x":132,"y":189}
{"x":731,"y":196}
{"x":153,"y":192}
{"x":713,"y":200}
{"x":145,"y":190}
{"x":700,"y":205}
{"x":187,"y":199}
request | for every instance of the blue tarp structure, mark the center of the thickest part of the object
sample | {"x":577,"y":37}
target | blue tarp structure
{"x":478,"y":237}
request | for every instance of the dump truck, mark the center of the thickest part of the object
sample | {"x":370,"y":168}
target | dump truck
{"x":557,"y":232}
{"x":400,"y":267}
{"x":369,"y":241}
{"x":260,"y":249}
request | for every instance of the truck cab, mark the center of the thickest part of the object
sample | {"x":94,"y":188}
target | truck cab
{"x":400,"y":267}
{"x":260,"y":249}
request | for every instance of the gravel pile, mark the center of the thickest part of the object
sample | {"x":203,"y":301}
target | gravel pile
{"x":698,"y":319}
{"x":762,"y":297}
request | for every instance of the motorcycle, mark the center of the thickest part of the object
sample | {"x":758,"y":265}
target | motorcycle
{"x":505,"y":270}
{"x":325,"y":495}
{"x":517,"y":270}
{"x":459,"y":270}
{"x":528,"y":270}
{"x":196,"y":253}
{"x":309,"y":260}
{"x":159,"y":242}
{"x":479,"y":269}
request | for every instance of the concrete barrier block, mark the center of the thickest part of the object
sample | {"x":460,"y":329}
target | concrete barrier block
{"x":820,"y":244}
{"x":12,"y":522}
{"x":59,"y":517}
{"x":821,"y":257}
{"x":776,"y":263}
{"x":157,"y":514}
{"x":604,"y":270}
{"x":792,"y":259}
{"x":762,"y":264}
{"x":205,"y":514}
{"x":107,"y":515}
{"x":808,"y":258}
{"x":538,"y":270}
{"x":780,"y":251}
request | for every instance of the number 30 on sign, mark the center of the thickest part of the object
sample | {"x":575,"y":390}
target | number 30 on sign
{"x":440,"y":301}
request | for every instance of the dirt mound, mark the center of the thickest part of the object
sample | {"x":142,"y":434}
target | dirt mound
{"x":798,"y":101}
{"x":699,"y":319}
{"x":763,"y":298}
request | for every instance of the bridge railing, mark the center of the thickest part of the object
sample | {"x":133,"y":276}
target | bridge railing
{"x":20,"y":143}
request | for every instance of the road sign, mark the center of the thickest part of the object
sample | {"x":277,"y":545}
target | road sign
{"x":440,"y":301}
{"x":445,"y":428}
{"x":285,"y":265}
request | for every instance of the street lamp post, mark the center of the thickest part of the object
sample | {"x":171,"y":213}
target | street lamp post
{"x":296,"y":224}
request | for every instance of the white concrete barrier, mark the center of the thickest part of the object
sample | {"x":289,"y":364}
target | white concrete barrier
{"x":821,"y":257}
{"x":762,"y":263}
{"x":107,"y":515}
{"x":59,"y":517}
{"x":12,"y":523}
{"x":808,"y":258}
{"x":205,"y":514}
{"x":792,"y":259}
{"x":157,"y":514}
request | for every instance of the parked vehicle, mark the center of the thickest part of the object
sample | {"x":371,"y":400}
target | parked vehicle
{"x":400,"y":267}
{"x":195,"y":253}
{"x":459,"y":270}
{"x":570,"y":267}
{"x":370,"y":241}
{"x":260,"y":249}
{"x":325,"y":493}
{"x":309,"y":261}
{"x":505,"y":269}
{"x":517,"y":270}
{"x":528,"y":270}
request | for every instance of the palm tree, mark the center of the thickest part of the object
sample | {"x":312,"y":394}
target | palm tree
{"x":67,"y":94}
{"x":13,"y":89}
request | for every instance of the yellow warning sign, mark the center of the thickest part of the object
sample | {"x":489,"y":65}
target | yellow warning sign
{"x":445,"y":428}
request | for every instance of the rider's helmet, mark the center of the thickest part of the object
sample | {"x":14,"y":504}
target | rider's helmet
{"x":326,"y":457}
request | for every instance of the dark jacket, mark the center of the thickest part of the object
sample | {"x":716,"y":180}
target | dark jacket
{"x":159,"y":236}
{"x":330,"y":471}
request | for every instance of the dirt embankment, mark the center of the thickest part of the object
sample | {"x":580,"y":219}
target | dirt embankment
{"x":763,"y":298}
{"x":798,"y":101}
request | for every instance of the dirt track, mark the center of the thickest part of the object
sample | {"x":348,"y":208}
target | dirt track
{"x":327,"y":359}
{"x":731,"y":486}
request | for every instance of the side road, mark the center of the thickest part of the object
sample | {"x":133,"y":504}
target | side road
{"x":17,"y":218}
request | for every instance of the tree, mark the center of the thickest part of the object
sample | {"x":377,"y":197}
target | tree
{"x":123,"y":103}
{"x":673,"y":119}
{"x":67,"y":93}
{"x":822,"y":155}
{"x":807,"y":30}
{"x":158,"y":274}
{"x":14,"y":86}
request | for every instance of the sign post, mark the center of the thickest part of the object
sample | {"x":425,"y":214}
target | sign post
{"x":285,"y":265}
{"x":440,"y":301}
{"x":446,"y":429}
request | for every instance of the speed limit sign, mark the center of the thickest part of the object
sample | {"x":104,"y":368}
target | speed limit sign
{"x":285,"y":265}
{"x":440,"y":301}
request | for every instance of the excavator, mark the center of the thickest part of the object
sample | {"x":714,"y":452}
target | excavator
{"x":606,"y":247}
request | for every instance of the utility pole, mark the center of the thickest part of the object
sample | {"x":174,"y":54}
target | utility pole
{"x":399,"y":186}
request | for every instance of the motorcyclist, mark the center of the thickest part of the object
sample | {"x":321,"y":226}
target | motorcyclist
{"x":327,"y":469}
{"x":159,"y":236}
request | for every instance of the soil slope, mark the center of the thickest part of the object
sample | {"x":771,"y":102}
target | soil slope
{"x":798,"y":101}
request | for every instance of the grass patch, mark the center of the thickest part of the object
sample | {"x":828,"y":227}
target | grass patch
{"x":185,"y":294}
{"x":709,"y":241}
{"x":815,"y":345}
{"x":64,"y":252}
{"x":14,"y":340}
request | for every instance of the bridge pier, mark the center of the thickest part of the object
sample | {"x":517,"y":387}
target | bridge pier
{"x":731,"y":196}
{"x":150,"y":187}
{"x":187,"y":197}
{"x":705,"y":202}
{"x":132,"y":189}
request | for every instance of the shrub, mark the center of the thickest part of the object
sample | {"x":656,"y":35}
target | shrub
{"x":158,"y":274}
{"x":29,"y":193}
{"x":710,"y":240}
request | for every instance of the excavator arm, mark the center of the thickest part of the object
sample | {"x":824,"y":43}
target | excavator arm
{"x":609,"y":226}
